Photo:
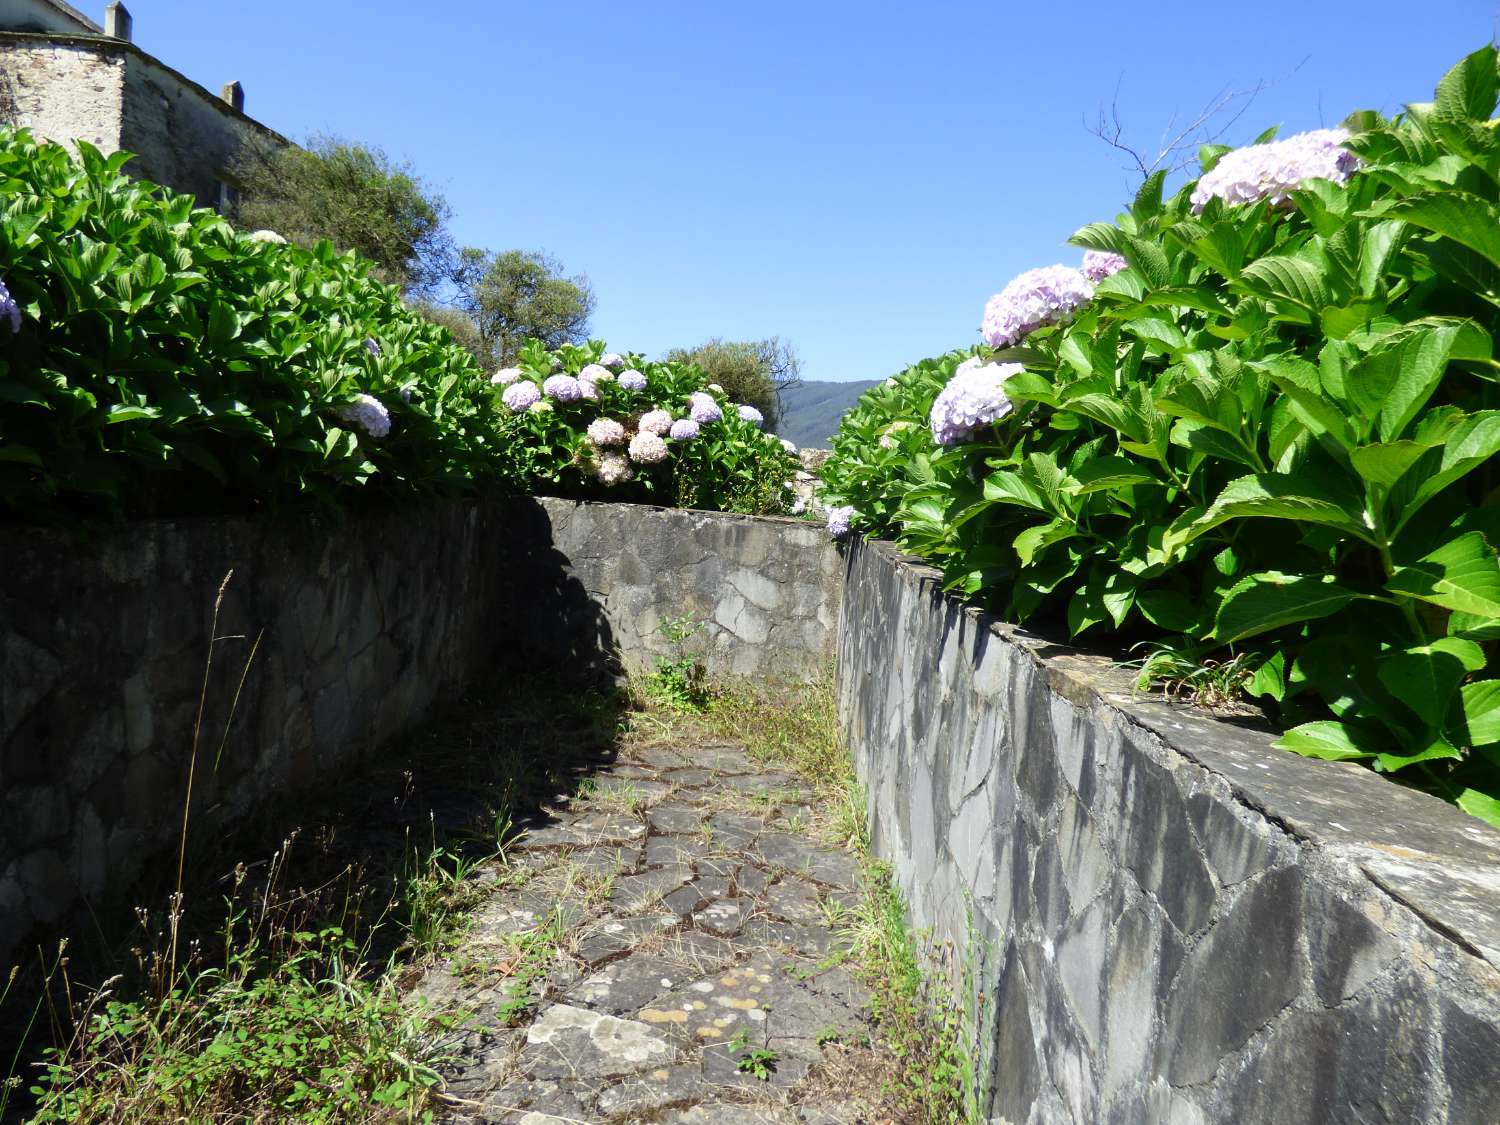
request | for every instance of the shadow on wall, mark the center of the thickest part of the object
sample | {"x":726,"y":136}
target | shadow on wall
{"x":557,"y":620}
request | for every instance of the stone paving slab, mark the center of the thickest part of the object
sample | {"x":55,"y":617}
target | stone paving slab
{"x":695,"y":931}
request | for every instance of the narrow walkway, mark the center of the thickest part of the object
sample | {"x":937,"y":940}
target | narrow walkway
{"x":664,"y":949}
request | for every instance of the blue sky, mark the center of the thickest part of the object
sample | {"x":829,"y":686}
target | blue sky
{"x":856,"y":178}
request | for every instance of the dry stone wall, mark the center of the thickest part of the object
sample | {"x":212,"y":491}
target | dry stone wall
{"x":764,"y":591}
{"x":365,"y":624}
{"x":1168,"y":921}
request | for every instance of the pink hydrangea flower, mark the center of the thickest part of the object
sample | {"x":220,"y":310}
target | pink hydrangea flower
{"x":1032,"y":300}
{"x":1272,"y":170}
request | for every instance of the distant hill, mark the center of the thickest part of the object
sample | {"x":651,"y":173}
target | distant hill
{"x":810,"y":413}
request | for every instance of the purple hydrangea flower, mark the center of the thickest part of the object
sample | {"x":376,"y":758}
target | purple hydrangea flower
{"x":838,"y":520}
{"x":1036,"y":298}
{"x":1271,"y":170}
{"x":594,"y":373}
{"x":753,"y":416}
{"x":405,"y":393}
{"x":703,"y":408}
{"x":632,"y":380}
{"x":369,"y":414}
{"x":564,"y":388}
{"x":520,"y":396}
{"x":799,"y":506}
{"x":372,"y":347}
{"x":9,"y":309}
{"x":506,"y":376}
{"x":1099,"y":264}
{"x":974,"y":397}
{"x":614,"y":361}
{"x":684,"y":429}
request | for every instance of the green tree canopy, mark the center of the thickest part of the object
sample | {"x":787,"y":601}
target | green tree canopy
{"x":520,"y":295}
{"x":750,"y":371}
{"x":355,"y":196}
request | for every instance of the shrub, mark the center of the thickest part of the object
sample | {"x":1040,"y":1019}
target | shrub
{"x":155,"y":361}
{"x":635,"y":430}
{"x":1267,"y":432}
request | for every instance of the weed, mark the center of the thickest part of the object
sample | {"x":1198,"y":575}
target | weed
{"x":758,"y":1062}
{"x":678,"y":681}
{"x":1184,"y":672}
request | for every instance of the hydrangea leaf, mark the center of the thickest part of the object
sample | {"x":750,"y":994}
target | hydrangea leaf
{"x":1332,"y":741}
{"x":1425,"y":677}
{"x":1461,"y":575}
{"x":1271,"y":599}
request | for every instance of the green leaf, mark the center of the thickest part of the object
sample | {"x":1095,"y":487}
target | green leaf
{"x":1461,"y":575}
{"x":1469,"y":89}
{"x":1485,"y":806}
{"x":1466,"y":219}
{"x":1437,"y":747}
{"x":1010,"y":488}
{"x":1271,"y":599}
{"x":1034,"y":540}
{"x":130,"y":414}
{"x":1385,"y":464}
{"x":1332,"y":741}
{"x":1289,"y":278}
{"x":1108,"y":473}
{"x":1426,"y":676}
{"x":1393,"y":384}
{"x":1481,"y":712}
{"x":1269,"y":679}
{"x":1099,"y":236}
{"x":1293,"y":496}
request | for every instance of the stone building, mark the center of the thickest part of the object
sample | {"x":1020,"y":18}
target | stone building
{"x":68,"y":78}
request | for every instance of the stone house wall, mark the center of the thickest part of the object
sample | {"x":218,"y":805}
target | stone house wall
{"x":115,"y":96}
{"x":1159,"y":918}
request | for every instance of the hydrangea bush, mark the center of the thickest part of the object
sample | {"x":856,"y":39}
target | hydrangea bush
{"x":153,"y":360}
{"x":1263,"y":429}
{"x":654,"y":432}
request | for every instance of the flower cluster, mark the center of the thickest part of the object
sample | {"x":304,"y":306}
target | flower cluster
{"x":974,"y":397}
{"x":632,"y":380}
{"x":703,"y":409}
{"x":606,"y":431}
{"x":372,"y":346}
{"x":614,"y":469}
{"x":521,"y":396}
{"x":267,"y":236}
{"x":1099,"y":264}
{"x":505,"y":376}
{"x":564,"y":388}
{"x":9,"y":309}
{"x":596,"y":373}
{"x":1036,"y":298}
{"x":613,"y":361}
{"x":647,"y":448}
{"x":684,"y":429}
{"x":749,"y":414}
{"x":369,"y":414}
{"x":839,"y":519}
{"x":1272,"y":170}
{"x":655,"y":422}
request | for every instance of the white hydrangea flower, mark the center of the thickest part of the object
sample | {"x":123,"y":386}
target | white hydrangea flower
{"x":506,"y":376}
{"x":647,"y":448}
{"x":655,"y":422}
{"x":606,"y":431}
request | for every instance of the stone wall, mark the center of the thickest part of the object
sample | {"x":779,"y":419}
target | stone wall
{"x":64,"y":90}
{"x":1168,"y":921}
{"x":765,"y":590}
{"x":116,"y":96}
{"x":364,"y":625}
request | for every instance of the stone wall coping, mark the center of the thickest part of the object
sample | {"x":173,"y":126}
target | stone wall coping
{"x":1433,"y":858}
{"x":103,"y":45}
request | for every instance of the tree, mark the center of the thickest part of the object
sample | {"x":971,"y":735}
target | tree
{"x":750,"y":371}
{"x":460,"y":326}
{"x":518,"y":295}
{"x":355,"y":196}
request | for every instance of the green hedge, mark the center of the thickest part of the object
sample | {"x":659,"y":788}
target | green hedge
{"x":154,"y":360}
{"x":1266,"y":442}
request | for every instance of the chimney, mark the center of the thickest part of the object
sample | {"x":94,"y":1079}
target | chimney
{"x":234,"y":94}
{"x":117,"y":21}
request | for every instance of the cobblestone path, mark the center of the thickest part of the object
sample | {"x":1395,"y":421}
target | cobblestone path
{"x":663,"y":947}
